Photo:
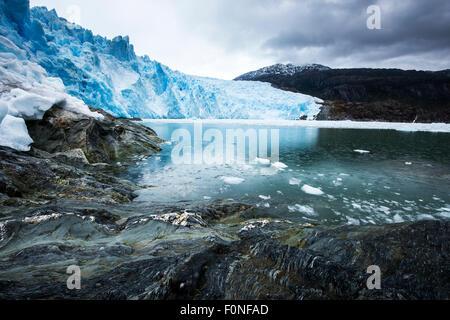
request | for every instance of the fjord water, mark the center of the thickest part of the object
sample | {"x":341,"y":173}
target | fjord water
{"x":404,"y":176}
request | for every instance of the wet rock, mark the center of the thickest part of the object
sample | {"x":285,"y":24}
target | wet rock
{"x":413,"y":257}
{"x":26,"y":176}
{"x":185,"y":219}
{"x":331,"y":263}
{"x":102,"y":141}
{"x":7,"y":187}
{"x":71,"y":157}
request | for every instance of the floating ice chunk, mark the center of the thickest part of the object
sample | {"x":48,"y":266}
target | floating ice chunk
{"x":408,"y":163}
{"x":425,"y":217}
{"x":264,"y":197}
{"x":356,"y":206}
{"x":302,"y":209}
{"x":266,"y":205}
{"x":232,"y":180}
{"x":14,"y":134}
{"x":445,"y":214}
{"x":311,"y":190}
{"x":295,"y":182}
{"x":246,"y":167}
{"x":269,"y":171}
{"x":206,"y":198}
{"x":352,"y":221}
{"x":398,"y":219}
{"x":385,"y":210}
{"x":279,"y":165}
{"x":361,"y":151}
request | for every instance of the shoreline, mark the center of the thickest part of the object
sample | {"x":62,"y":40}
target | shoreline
{"x":398,"y":126}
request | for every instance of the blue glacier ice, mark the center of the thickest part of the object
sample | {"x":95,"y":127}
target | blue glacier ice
{"x":108,"y":74}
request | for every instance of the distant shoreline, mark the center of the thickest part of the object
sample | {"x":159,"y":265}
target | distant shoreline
{"x":368,"y":125}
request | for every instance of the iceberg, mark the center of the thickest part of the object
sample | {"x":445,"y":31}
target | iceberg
{"x":312,"y":191}
{"x":232,"y":180}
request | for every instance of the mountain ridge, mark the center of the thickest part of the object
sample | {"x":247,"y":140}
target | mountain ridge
{"x":283,"y":69}
{"x":371,"y":94}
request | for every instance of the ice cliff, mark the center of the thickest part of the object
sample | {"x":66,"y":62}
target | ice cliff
{"x":45,"y":59}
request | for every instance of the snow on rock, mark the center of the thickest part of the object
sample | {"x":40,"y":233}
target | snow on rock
{"x":281,"y":69}
{"x":312,"y":191}
{"x":26,"y":92}
{"x":26,"y":89}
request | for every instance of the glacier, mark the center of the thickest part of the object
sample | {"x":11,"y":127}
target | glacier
{"x":45,"y":60}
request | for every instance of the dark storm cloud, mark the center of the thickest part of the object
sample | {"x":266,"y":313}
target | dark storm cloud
{"x":414,"y":34}
{"x":337,"y":30}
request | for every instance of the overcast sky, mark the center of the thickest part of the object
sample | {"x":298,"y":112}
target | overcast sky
{"x":225,"y":38}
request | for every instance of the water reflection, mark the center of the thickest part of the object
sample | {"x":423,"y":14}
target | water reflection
{"x":319,"y":177}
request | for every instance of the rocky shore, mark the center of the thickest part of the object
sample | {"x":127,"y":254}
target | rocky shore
{"x":62,"y":204}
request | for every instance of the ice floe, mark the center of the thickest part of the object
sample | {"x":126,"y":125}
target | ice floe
{"x":312,"y":191}
{"x":232,"y":180}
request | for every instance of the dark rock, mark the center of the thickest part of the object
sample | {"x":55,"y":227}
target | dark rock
{"x":327,"y":263}
{"x":106,"y":141}
{"x":23,"y":175}
{"x":68,"y":154}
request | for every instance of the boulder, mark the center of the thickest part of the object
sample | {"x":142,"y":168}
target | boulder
{"x":102,"y":141}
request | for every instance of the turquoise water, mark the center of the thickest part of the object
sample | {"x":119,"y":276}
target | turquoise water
{"x":403,"y":176}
